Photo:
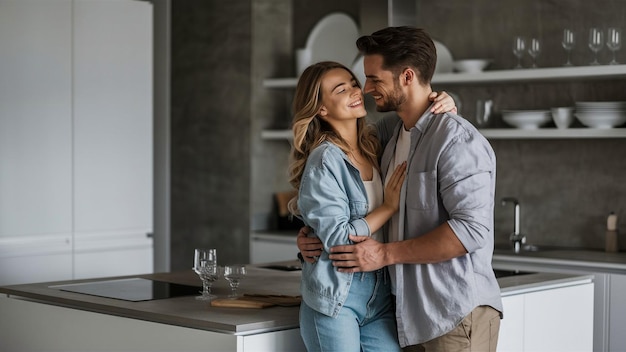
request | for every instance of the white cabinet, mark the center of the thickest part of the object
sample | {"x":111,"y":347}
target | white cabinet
{"x":559,"y":319}
{"x":112,"y":253}
{"x":511,"y":338}
{"x":112,"y":116}
{"x":609,"y":292}
{"x":35,"y":123}
{"x":272,"y":247}
{"x":556,"y":319}
{"x":75,"y":137}
{"x":617,"y":312}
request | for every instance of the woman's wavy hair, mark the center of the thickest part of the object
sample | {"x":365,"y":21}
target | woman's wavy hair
{"x":310,"y":130}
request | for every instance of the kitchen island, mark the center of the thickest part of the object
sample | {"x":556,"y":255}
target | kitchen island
{"x":41,"y":316}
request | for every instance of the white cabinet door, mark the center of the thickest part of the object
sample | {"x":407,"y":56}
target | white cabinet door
{"x":35,"y":141}
{"x":28,"y":259}
{"x":112,"y":254}
{"x":35,"y":118}
{"x":559,"y":319}
{"x":511,"y":337}
{"x":265,"y":248}
{"x":112,"y":116}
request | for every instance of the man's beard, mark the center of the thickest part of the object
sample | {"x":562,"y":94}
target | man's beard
{"x":393,"y":100}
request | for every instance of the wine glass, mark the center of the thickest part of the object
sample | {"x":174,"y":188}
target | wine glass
{"x":534,"y":50}
{"x":205,"y":265}
{"x":614,"y":42}
{"x":234,"y":274}
{"x":596,"y":41}
{"x":568,"y":44}
{"x":519,"y":46}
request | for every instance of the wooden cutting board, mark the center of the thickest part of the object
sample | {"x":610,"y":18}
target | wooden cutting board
{"x":257,"y":301}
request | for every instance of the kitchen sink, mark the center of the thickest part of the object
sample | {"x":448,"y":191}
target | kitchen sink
{"x":505,"y":273}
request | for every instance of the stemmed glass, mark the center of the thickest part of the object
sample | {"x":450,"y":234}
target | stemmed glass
{"x":205,"y":265}
{"x":614,"y":42}
{"x":234,"y":274}
{"x":568,"y":44}
{"x":596,"y":41}
{"x":519,"y":46}
{"x":534,"y":50}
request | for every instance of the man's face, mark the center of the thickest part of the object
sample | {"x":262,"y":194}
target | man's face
{"x":382,"y":84}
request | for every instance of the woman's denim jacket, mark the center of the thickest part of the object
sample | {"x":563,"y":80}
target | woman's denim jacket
{"x":333,"y":202}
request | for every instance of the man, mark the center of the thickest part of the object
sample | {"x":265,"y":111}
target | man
{"x":440,"y":243}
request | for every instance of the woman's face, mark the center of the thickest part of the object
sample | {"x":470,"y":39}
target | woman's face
{"x":342,"y":99}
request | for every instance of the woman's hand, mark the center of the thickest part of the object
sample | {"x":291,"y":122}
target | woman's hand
{"x":443,"y":102}
{"x":310,"y":247}
{"x":393,"y":187}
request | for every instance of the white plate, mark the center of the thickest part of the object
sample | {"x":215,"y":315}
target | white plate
{"x":334,"y":38}
{"x":357,"y":68}
{"x":445,"y":63}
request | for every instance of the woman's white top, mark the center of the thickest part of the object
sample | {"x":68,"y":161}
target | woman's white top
{"x":374,"y":189}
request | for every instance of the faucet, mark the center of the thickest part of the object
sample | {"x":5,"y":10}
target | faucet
{"x":516,"y":237}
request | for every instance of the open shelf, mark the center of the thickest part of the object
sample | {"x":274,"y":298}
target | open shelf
{"x":506,"y":133}
{"x":502,"y":76}
{"x":277,"y":134}
{"x":553,"y":133}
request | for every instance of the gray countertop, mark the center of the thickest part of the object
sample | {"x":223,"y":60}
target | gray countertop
{"x":583,"y":259}
{"x":186,"y":311}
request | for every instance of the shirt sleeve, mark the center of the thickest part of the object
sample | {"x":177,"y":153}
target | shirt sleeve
{"x":325,"y":207}
{"x":467,"y":188}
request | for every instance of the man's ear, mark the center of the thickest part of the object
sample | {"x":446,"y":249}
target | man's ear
{"x":407,"y":76}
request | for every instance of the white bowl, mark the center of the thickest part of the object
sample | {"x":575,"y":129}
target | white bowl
{"x":471,"y":65}
{"x":526,"y":119}
{"x":601,"y":120}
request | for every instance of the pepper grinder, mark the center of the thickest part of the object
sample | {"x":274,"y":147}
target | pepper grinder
{"x":611,"y":244}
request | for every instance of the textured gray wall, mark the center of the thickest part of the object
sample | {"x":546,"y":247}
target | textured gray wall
{"x":210,"y":127}
{"x":223,"y":174}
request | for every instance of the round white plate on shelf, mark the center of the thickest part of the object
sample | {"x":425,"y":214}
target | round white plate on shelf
{"x":334,"y":38}
{"x":357,"y":68}
{"x":445,"y":63}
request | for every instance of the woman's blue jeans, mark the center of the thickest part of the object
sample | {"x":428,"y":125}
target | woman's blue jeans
{"x":366,"y":322}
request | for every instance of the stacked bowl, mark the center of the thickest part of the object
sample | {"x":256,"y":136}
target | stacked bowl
{"x":526,"y":119}
{"x":601,"y":114}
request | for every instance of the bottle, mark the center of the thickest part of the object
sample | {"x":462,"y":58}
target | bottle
{"x":611,"y":244}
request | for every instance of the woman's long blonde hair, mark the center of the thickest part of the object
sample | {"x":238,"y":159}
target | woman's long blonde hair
{"x":310,"y":130}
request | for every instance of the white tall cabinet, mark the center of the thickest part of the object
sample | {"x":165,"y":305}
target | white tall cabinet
{"x":75,"y":139}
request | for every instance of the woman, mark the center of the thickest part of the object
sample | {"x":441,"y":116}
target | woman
{"x":334,"y":167}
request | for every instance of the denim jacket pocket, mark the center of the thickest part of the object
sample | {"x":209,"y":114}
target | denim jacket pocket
{"x":422,"y":190}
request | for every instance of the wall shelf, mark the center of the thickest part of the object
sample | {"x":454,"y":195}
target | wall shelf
{"x":506,"y":133}
{"x":501,"y":76}
{"x":553,"y":133}
{"x":277,"y":134}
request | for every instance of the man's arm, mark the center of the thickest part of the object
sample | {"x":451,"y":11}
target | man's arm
{"x":438,"y":245}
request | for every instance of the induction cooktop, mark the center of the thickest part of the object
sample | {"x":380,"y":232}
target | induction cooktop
{"x":133,"y":289}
